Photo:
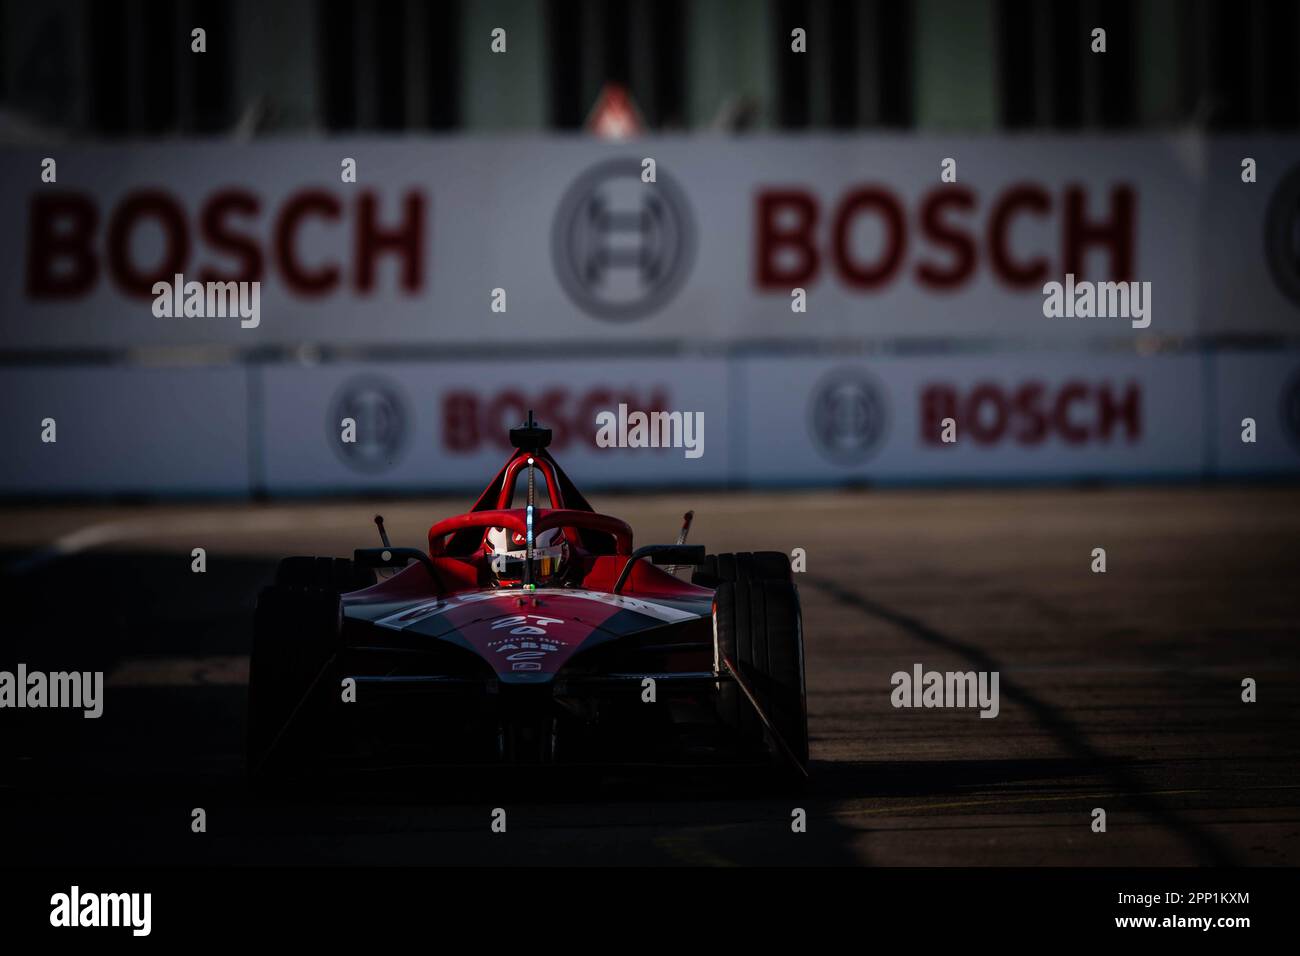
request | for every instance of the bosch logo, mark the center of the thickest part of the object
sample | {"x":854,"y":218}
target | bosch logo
{"x":847,"y":416}
{"x":622,"y":248}
{"x":379,"y":411}
{"x":1282,"y":236}
{"x":1074,"y":412}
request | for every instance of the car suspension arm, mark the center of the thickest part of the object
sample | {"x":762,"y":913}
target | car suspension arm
{"x":781,"y":744}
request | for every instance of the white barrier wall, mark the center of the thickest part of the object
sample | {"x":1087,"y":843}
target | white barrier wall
{"x":422,"y":427}
{"x":125,"y":430}
{"x":591,"y":259}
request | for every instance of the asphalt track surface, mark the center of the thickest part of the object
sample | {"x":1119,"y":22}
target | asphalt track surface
{"x":1119,"y":690}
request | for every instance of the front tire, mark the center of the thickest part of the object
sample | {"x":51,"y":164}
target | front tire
{"x":758,"y":625}
{"x":743,"y":566}
{"x":295,"y":638}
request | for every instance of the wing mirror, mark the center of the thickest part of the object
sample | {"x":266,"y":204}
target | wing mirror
{"x":661,"y":554}
{"x":391,"y":558}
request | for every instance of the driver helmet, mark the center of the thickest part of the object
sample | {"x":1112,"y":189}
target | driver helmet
{"x":507,"y":553}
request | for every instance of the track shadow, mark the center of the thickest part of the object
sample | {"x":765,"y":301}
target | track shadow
{"x":121,"y":788}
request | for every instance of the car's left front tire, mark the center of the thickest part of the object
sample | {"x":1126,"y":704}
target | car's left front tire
{"x":758,"y":626}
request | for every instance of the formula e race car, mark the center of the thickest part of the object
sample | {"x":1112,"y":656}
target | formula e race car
{"x":529,"y":635}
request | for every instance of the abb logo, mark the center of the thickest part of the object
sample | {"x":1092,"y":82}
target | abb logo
{"x":471,"y":420}
{"x":70,"y":245}
{"x":1075,"y":411}
{"x":942,"y":242}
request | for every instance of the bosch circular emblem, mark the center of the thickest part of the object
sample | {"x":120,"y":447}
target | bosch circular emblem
{"x":1282,"y":236}
{"x":380,"y":433}
{"x":622,"y":248}
{"x":847,"y":416}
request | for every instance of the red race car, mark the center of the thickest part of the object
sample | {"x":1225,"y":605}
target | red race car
{"x":529,"y":635}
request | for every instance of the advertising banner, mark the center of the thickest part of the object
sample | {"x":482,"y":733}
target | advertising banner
{"x":1013,"y":417}
{"x":513,"y":241}
{"x":441,"y":426}
{"x":289,"y":429}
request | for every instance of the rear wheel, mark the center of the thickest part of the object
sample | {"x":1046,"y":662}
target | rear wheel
{"x":758,"y":626}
